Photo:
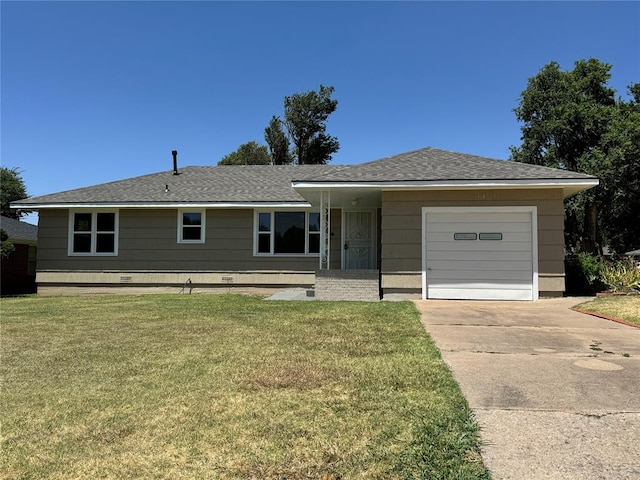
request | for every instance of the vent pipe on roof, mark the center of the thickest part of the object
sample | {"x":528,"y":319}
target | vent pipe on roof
{"x":175,"y":161}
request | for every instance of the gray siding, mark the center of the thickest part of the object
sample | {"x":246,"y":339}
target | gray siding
{"x":402,"y":225}
{"x":148,"y":241}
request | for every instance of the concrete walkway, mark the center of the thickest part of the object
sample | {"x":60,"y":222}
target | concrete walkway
{"x":557,"y":393}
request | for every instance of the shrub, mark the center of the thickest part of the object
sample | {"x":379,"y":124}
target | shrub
{"x":622,"y":276}
{"x":583,"y":274}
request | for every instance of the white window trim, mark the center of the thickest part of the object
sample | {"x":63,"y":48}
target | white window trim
{"x":203,"y":225}
{"x":256,"y":232}
{"x":94,"y":226}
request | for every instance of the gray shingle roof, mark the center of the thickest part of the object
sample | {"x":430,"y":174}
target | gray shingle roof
{"x":221,"y":184}
{"x":431,"y":164}
{"x":18,"y":230}
{"x":273,"y":183}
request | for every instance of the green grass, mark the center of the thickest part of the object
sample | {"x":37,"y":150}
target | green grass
{"x":623,"y":307}
{"x":227,"y":387}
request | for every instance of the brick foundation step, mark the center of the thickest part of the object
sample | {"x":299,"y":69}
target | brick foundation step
{"x":357,"y":285}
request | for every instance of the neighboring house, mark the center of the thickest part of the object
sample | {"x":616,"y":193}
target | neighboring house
{"x":18,"y":270}
{"x":635,"y":255}
{"x":428,"y":223}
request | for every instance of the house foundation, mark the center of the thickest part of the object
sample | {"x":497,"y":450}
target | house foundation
{"x":358,"y":285}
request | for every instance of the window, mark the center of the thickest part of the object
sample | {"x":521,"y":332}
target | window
{"x":32,"y":259}
{"x":465,"y":236}
{"x":314,"y":232}
{"x":490,"y":236}
{"x":287,"y":233}
{"x":191,"y":226}
{"x":93,"y":233}
{"x":264,"y":232}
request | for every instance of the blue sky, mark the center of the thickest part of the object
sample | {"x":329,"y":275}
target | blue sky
{"x":99,"y":91}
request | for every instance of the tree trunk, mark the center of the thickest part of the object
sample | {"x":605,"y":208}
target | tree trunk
{"x":589,"y":240}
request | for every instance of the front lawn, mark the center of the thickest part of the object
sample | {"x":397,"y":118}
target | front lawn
{"x":227,"y":387}
{"x":623,"y":307}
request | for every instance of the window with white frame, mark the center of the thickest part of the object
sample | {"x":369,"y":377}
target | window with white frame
{"x":191,"y":226}
{"x":93,"y":233}
{"x":287,"y":233}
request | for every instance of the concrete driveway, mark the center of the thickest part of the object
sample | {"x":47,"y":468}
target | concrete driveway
{"x":557,"y":393}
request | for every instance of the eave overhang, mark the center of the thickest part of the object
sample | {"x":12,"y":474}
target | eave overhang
{"x":569,"y":186}
{"x":116,"y":205}
{"x":23,"y":241}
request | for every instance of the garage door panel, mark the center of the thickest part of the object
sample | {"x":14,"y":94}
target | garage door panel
{"x":486,"y":265}
{"x":479,"y":294}
{"x":435,"y":276}
{"x":478,"y":227}
{"x":506,"y":236}
{"x":509,"y":284}
{"x":466,"y":256}
{"x":473,"y":217}
{"x":481,"y":246}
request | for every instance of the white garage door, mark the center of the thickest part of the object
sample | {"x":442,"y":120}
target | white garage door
{"x":480,"y":254}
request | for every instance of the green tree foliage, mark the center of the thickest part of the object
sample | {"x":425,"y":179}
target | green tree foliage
{"x":304,"y":125}
{"x":278,"y":142}
{"x":6,"y":247}
{"x":572,"y":120}
{"x":620,"y":182}
{"x":250,"y":153}
{"x":305,"y":117}
{"x":12,"y":188}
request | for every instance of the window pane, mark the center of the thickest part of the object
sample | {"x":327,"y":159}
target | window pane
{"x":289,"y":232}
{"x":82,"y":243}
{"x":314,"y":222}
{"x":490,"y":236}
{"x":264,"y":243}
{"x":264,"y":222}
{"x":191,"y":233}
{"x":314,"y":243}
{"x":82,"y":222}
{"x":106,"y":222}
{"x":465,"y":236}
{"x":192,"y":219}
{"x":105,"y":243}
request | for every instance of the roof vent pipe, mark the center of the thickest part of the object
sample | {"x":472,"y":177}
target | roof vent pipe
{"x":175,"y":161}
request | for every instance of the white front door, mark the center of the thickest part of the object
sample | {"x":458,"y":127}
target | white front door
{"x":359,"y":238}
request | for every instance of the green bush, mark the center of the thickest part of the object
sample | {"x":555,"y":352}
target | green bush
{"x":622,"y":276}
{"x":583,"y":274}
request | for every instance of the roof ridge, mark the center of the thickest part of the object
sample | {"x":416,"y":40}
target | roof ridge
{"x":432,"y":164}
{"x":274,"y":183}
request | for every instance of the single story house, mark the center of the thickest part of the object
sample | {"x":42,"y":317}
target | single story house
{"x":428,"y":223}
{"x":18,"y":270}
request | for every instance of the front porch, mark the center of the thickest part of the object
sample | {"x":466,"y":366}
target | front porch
{"x":358,"y":278}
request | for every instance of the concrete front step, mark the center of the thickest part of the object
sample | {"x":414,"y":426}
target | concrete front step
{"x":356,"y":285}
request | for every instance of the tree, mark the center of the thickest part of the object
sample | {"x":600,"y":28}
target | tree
{"x":563,"y":114}
{"x":250,"y":153}
{"x":6,"y":246}
{"x":571,"y":120}
{"x":12,"y":188}
{"x":305,"y":116}
{"x":621,"y":182}
{"x":278,"y":142}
